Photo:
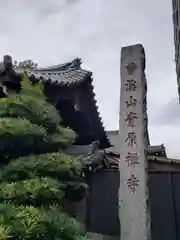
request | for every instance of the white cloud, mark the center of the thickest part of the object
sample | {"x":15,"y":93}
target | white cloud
{"x":52,"y":31}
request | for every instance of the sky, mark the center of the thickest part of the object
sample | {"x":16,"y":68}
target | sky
{"x":56,"y":31}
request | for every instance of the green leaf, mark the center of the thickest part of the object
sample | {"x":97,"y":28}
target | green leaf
{"x":18,"y":137}
{"x":27,"y":107}
{"x":38,"y":191}
{"x":55,"y":165}
{"x":26,"y":222}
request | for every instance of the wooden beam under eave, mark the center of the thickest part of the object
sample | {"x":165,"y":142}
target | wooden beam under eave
{"x":163,"y":167}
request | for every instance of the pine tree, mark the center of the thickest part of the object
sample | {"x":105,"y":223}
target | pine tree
{"x":36,"y":174}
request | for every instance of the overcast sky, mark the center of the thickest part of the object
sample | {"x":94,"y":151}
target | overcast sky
{"x":56,"y":31}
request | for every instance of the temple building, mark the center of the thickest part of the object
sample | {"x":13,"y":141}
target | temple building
{"x":70,"y":88}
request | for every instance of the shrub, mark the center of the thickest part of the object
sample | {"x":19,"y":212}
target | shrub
{"x":35,"y":174}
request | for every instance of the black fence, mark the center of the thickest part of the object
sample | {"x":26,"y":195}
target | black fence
{"x":164,"y":191}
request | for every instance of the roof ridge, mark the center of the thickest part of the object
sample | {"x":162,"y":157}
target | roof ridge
{"x":75,"y":64}
{"x":62,"y":72}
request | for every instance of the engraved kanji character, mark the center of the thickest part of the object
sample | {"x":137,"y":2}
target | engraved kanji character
{"x":132,"y":183}
{"x":131,"y":67}
{"x":131,"y":85}
{"x":132,"y":159}
{"x":131,"y":102}
{"x":131,"y":139}
{"x":130,"y":119}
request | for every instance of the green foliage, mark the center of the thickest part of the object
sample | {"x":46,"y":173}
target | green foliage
{"x":55,"y":165}
{"x":27,"y":222}
{"x":36,"y":174}
{"x":38,"y":112}
{"x":38,"y":191}
{"x":64,"y":135}
{"x":36,"y":90}
{"x":19,"y":137}
{"x":29,"y":124}
{"x":27,"y":64}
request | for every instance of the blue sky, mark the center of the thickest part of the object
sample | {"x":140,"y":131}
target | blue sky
{"x":53,"y":31}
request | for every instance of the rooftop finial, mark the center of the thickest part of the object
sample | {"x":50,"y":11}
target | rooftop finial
{"x":77,"y":62}
{"x":7,"y":62}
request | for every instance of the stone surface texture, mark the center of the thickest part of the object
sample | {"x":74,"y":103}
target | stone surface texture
{"x":134,"y":211}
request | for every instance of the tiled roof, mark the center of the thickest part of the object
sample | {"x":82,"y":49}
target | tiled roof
{"x":111,"y":161}
{"x":94,"y":159}
{"x":164,"y":160}
{"x":67,"y":74}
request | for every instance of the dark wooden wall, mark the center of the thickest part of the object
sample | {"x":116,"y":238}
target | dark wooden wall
{"x":164,"y":190}
{"x":102,"y":204}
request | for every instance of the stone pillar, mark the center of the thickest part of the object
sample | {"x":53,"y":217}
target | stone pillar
{"x":133,"y":193}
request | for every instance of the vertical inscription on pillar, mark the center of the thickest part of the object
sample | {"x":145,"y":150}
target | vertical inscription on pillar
{"x":133,"y":195}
